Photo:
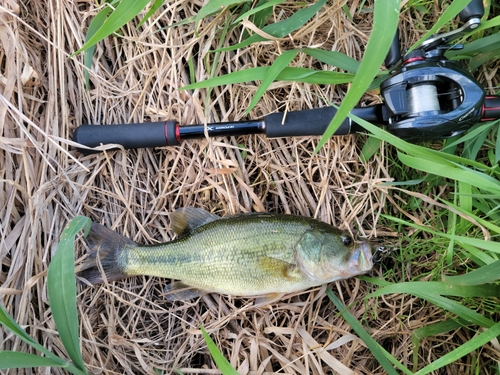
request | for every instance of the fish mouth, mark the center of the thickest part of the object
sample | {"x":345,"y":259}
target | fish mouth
{"x":361,"y":260}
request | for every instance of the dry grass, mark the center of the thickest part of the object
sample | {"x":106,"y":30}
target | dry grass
{"x":128,"y":327}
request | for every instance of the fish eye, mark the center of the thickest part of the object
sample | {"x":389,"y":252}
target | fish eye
{"x":346,"y":240}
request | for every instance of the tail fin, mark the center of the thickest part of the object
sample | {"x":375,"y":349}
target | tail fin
{"x":106,"y":255}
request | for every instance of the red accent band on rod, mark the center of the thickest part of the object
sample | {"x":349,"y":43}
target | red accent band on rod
{"x":177,"y":133}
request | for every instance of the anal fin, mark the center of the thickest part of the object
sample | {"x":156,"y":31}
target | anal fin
{"x":267,"y":299}
{"x":178,"y":291}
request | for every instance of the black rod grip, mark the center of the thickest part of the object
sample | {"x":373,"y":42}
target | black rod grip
{"x":153,"y":134}
{"x":301,"y":123}
{"x":474,"y":9}
{"x":316,"y":121}
{"x":491,"y":108}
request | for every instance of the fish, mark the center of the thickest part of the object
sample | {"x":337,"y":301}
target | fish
{"x":262,"y":255}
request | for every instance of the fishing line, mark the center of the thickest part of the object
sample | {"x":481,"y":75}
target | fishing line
{"x":426,"y":97}
{"x":423,"y":98}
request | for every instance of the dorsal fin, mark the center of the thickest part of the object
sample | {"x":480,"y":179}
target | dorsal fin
{"x":184,"y":220}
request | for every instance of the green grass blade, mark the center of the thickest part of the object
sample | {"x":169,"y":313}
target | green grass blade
{"x":464,"y":195}
{"x":452,"y":228}
{"x":282,"y":28}
{"x":156,"y":5}
{"x":371,"y":146}
{"x":7,"y":321}
{"x":273,"y":72}
{"x":486,"y":44}
{"x":212,"y":66}
{"x":477,"y":256}
{"x":385,"y":23}
{"x":471,"y":134}
{"x":475,"y":145}
{"x":476,"y":242}
{"x":262,"y":17}
{"x":483,"y":275}
{"x":257,"y":9}
{"x":449,"y":165}
{"x":458,"y":173}
{"x":485,"y":223}
{"x":222,"y":363}
{"x":451,"y":12}
{"x":61,"y":288}
{"x":347,"y":12}
{"x":438,"y":328}
{"x":10,"y":360}
{"x":374,"y":280}
{"x":432,"y":330}
{"x":497,"y":146}
{"x":95,"y":24}
{"x":124,"y":12}
{"x":288,"y":74}
{"x":382,"y":356}
{"x":464,"y":349}
{"x":442,"y":288}
{"x":483,"y":58}
{"x":214,"y":6}
{"x":440,"y":301}
{"x":494,"y":22}
{"x":333,"y":58}
{"x":307,"y":75}
{"x":458,"y":309}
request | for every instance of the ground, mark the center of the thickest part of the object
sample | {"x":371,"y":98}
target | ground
{"x":129,"y":327}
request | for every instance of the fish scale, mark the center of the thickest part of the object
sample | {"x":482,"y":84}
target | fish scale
{"x":210,"y":258}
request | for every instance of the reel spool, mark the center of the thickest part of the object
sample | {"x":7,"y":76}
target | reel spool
{"x":422,"y":98}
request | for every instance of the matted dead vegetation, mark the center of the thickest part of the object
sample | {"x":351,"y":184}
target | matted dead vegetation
{"x":128,"y":327}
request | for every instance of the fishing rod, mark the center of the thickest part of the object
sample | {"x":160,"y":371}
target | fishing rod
{"x":426,"y":97}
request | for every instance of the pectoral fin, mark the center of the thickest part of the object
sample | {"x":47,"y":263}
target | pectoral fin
{"x":278,"y":267}
{"x":178,"y":291}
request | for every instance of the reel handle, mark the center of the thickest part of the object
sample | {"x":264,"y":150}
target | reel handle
{"x":394,"y":54}
{"x":474,"y":9}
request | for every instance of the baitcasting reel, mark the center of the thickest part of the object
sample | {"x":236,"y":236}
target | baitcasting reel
{"x":430,"y":97}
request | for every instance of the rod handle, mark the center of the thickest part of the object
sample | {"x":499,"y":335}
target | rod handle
{"x":316,"y":121}
{"x":303,"y":123}
{"x":152,"y":134}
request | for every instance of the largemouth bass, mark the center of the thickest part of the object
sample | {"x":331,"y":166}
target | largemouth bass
{"x":253,"y":254}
